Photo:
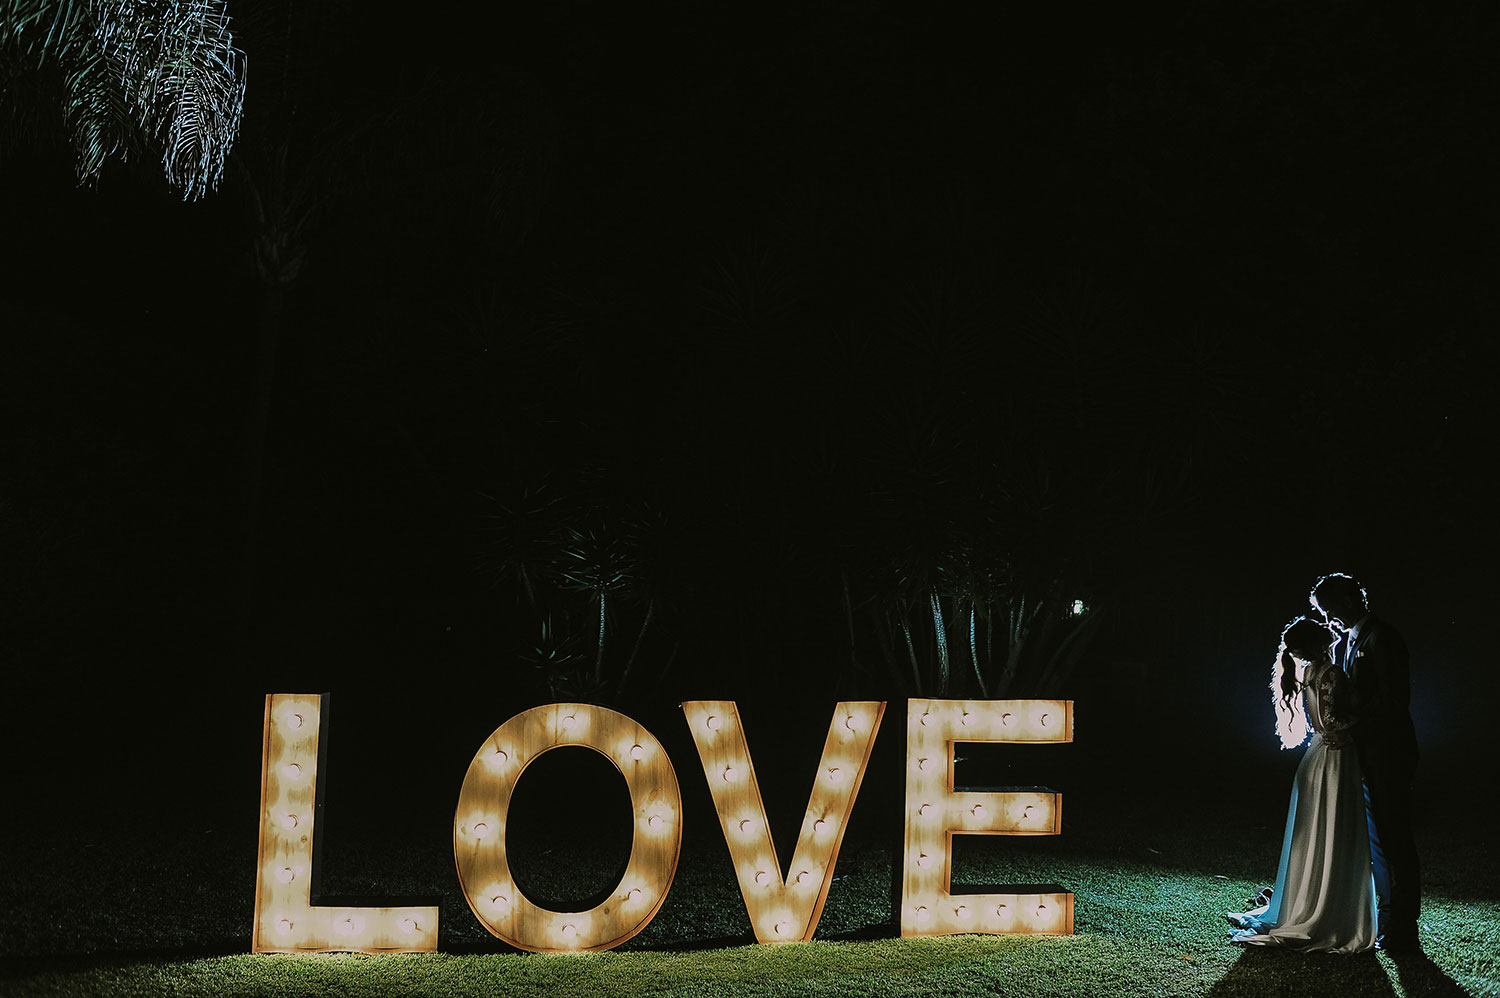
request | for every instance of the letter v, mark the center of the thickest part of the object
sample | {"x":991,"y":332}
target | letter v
{"x":783,"y":909}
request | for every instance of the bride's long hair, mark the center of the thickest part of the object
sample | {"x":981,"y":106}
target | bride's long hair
{"x":1304,"y":639}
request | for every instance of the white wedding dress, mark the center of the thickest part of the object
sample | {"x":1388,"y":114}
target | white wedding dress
{"x":1325,"y":893}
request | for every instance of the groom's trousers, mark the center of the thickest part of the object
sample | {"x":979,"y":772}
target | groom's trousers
{"x":1393,"y":849}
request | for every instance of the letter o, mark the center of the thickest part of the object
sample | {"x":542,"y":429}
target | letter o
{"x":479,"y":828}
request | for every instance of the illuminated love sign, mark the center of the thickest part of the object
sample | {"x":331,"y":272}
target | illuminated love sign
{"x":935,"y":812}
{"x":781,"y":908}
{"x":479,"y":828}
{"x":285,"y":919}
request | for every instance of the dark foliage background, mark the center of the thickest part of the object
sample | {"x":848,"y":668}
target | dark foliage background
{"x":771,"y":329}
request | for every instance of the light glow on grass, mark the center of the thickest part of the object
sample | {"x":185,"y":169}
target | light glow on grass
{"x":1143,"y":928}
{"x":1083,"y":964}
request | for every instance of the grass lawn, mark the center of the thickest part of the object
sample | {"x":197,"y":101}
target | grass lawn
{"x":143,"y":914}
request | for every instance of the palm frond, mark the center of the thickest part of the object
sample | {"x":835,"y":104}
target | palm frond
{"x":163,"y":73}
{"x":178,"y":62}
{"x":97,"y":115}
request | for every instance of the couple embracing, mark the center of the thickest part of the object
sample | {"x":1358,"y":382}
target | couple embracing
{"x":1349,"y":880}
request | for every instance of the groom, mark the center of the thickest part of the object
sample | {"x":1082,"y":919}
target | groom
{"x":1375,"y":659}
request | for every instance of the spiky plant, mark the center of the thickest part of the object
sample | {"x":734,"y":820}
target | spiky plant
{"x":135,"y":76}
{"x":599,"y":562}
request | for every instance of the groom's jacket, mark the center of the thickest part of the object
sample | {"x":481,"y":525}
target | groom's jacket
{"x":1380,"y":671}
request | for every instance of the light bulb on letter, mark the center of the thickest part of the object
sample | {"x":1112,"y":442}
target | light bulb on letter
{"x":285,"y":874}
{"x":654,"y":821}
{"x":288,"y":821}
{"x":730,"y":774}
{"x":284,"y":927}
{"x":481,"y":830}
{"x":762,"y":877}
{"x":408,"y":925}
{"x":978,"y":811}
{"x":712,"y":722}
{"x":569,"y":931}
{"x":636,"y":752}
{"x":568,"y":722}
{"x":923,"y":915}
{"x":291,"y":771}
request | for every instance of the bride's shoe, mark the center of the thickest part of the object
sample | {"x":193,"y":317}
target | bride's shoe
{"x":1260,"y":899}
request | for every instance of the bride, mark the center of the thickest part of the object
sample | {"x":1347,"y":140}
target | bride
{"x":1324,"y":898}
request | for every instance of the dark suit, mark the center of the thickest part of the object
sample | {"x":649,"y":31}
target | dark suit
{"x":1386,"y":742}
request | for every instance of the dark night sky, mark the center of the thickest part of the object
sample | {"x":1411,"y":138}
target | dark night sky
{"x":1225,"y":276}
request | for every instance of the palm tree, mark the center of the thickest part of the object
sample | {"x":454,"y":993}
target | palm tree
{"x":132,"y":78}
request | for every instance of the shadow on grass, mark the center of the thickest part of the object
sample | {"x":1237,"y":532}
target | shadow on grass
{"x":494,"y":947}
{"x":1267,"y":970}
{"x":1261,"y":971}
{"x":1420,"y":976}
{"x":867,"y":933}
{"x":17,"y":967}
